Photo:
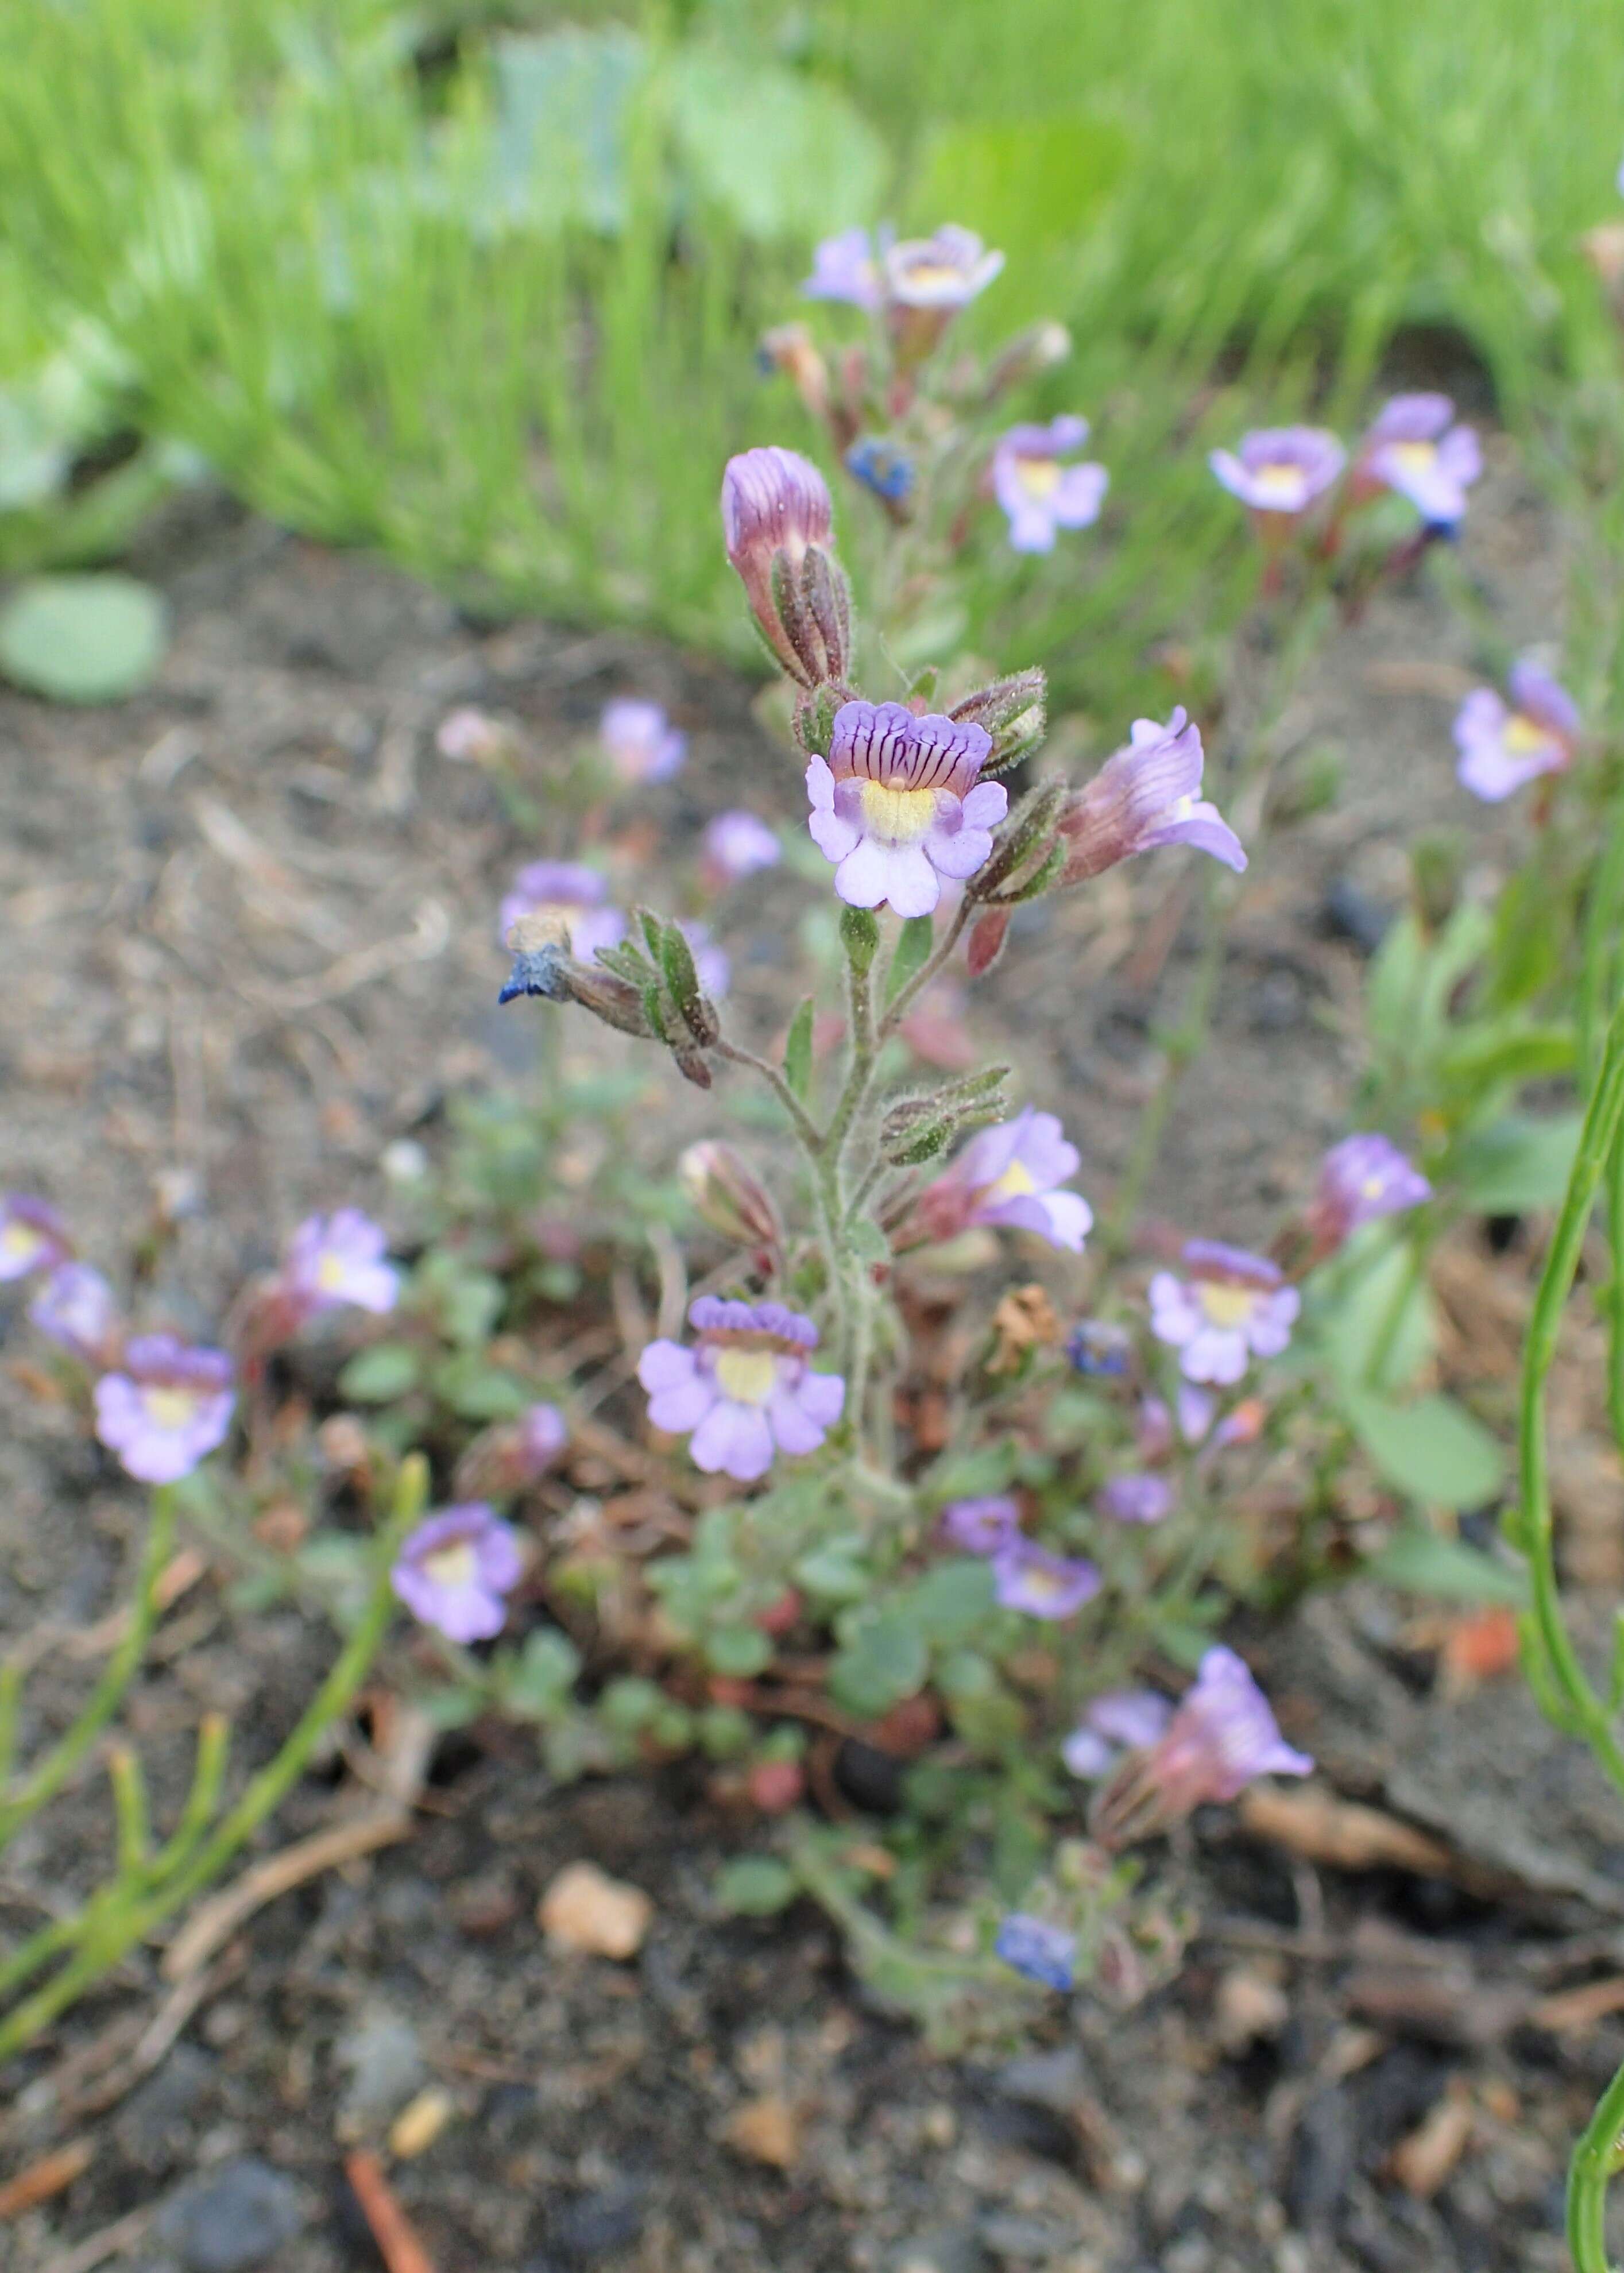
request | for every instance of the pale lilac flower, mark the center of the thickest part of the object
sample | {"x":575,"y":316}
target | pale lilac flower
{"x":1041,"y":495}
{"x":76,"y":1308}
{"x":1121,"y":1720}
{"x":573,"y":899}
{"x":640,"y":741}
{"x":470,"y":736}
{"x":1145,"y":796}
{"x":1222,"y":1737}
{"x":845,"y":269}
{"x":1043,"y":1953}
{"x":542,"y":1435}
{"x":337,"y":1259}
{"x":776,"y":520}
{"x":1029,"y":1577}
{"x":1197,"y":1410}
{"x":1416,"y":448}
{"x":1139,"y":1498}
{"x":1280,"y":470}
{"x":165,"y":1406}
{"x":737,"y":844}
{"x":33,"y":1235}
{"x":1362,"y":1178}
{"x":456,"y":1570}
{"x":746,"y":1391}
{"x":981,"y":1526}
{"x":945,"y":272}
{"x":1503,"y":747}
{"x":1232,"y":1308}
{"x":898,"y":808}
{"x":1008,"y":1177}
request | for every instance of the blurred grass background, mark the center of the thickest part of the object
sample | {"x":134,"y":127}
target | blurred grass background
{"x":480,"y":284}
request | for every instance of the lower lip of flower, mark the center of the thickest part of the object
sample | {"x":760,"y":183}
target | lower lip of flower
{"x":1521,"y":737}
{"x":1278,"y":488}
{"x":899,"y":816}
{"x":455,"y":1565}
{"x":1015,"y":1183}
{"x":1226,"y":1306}
{"x":329,"y":1273}
{"x":170,"y":1408}
{"x":1413,"y":457}
{"x":1040,"y":477}
{"x":746,"y":1376}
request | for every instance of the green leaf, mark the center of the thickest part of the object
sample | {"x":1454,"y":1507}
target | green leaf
{"x":884,"y":1660}
{"x":833,"y":1573}
{"x":913,"y":952}
{"x":787,"y":156}
{"x":477,"y":1391}
{"x":82,"y":639}
{"x":1434,"y":1451}
{"x":1422,"y":1562}
{"x":952,"y":1600}
{"x":737,"y":1650}
{"x":756,"y":1885}
{"x":379,"y":1374}
{"x":1506,"y":1050}
{"x":537,"y":1685}
{"x":798,"y":1051}
{"x":562,"y":106}
{"x":1363,"y":1320}
{"x":1518,"y":1163}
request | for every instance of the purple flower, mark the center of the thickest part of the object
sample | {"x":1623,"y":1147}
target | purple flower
{"x":1198,"y":1409}
{"x":641,"y":743}
{"x":737,"y":845}
{"x":746,"y":1391}
{"x":33,"y":1235}
{"x":776,"y":520}
{"x":1121,"y":1720}
{"x":542,"y":1435}
{"x":945,"y":272}
{"x":882,"y":465}
{"x":1280,"y":470}
{"x":1043,"y":1953}
{"x":75,"y":1307}
{"x":1232,"y":1308}
{"x":898,"y":806}
{"x":1222,"y":1737}
{"x":981,"y":1526}
{"x":1008,"y":1176}
{"x":845,"y":269}
{"x":1039,"y":494}
{"x":1146,"y":795}
{"x":1098,"y":1347}
{"x":1139,"y":1498}
{"x":1503,"y":747}
{"x":1416,"y":448}
{"x":573,"y":898}
{"x":1360,"y":1179}
{"x":455,"y":1570}
{"x":338,"y":1258}
{"x":165,"y":1408}
{"x":1029,"y":1577}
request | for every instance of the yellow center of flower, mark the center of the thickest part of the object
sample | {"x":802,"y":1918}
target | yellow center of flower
{"x":455,"y":1564}
{"x":329,"y":1273}
{"x":1280,"y":485}
{"x":932,"y":275}
{"x":170,"y":1408}
{"x":1371,"y":1187}
{"x":1046,"y":1584}
{"x":1225,"y":1305}
{"x":1522,"y":735}
{"x":901,"y":816}
{"x":1039,"y":476}
{"x":19,"y":1242}
{"x":1414,"y":457}
{"x":746,"y":1376}
{"x":1013,"y":1184}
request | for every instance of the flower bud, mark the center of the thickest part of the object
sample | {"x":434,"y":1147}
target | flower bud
{"x":1027,"y":355}
{"x":725,"y":1192}
{"x":777,"y":519}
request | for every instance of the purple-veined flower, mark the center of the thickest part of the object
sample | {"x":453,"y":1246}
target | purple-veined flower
{"x":573,"y":899}
{"x":897,"y":805}
{"x":455,"y":1572}
{"x":776,"y":512}
{"x":470,"y":736}
{"x":882,"y":465}
{"x":1136,"y":1497}
{"x":640,"y":741}
{"x":1009,"y":1177}
{"x":1504,"y":745}
{"x":1232,"y":1308}
{"x":1280,"y":470}
{"x":33,"y":1235}
{"x":1119,"y":1721}
{"x":164,"y":1407}
{"x":338,"y":1258}
{"x":946,"y":271}
{"x":1146,"y":795}
{"x":737,"y":844}
{"x":1362,"y":1178}
{"x":1043,"y":1953}
{"x":1030,"y":1577}
{"x":1040,"y":494}
{"x":1416,"y":448}
{"x":76,"y":1308}
{"x":1222,"y":1737}
{"x":981,"y":1526}
{"x":844,"y":267}
{"x":746,"y":1391}
{"x":1099,"y":1347}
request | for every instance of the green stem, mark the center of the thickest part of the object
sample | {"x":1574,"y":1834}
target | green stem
{"x":47,"y":1780}
{"x":910,"y":992}
{"x":800,"y":1120}
{"x":1595,"y":2161}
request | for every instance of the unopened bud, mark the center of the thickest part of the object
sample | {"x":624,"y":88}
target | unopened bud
{"x":918,"y":1128}
{"x":777,"y":520}
{"x":724,"y":1191}
{"x":986,"y":941}
{"x":1027,"y":857}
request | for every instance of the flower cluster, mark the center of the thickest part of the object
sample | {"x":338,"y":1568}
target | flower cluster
{"x":1415,"y":449}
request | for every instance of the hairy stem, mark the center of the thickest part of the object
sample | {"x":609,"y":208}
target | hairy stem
{"x":910,"y":991}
